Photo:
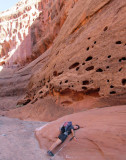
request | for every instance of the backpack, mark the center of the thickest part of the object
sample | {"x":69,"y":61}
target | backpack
{"x":65,"y":126}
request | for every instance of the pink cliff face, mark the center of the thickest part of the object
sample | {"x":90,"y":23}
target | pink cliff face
{"x":59,"y":57}
{"x":29,"y":28}
{"x":15,"y":23}
{"x":77,"y":55}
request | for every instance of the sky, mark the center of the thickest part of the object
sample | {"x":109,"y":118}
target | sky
{"x":6,"y":4}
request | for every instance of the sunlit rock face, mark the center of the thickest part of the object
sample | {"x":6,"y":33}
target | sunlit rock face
{"x":15,"y":39}
{"x":82,"y":46}
{"x":88,"y":55}
{"x":29,"y":28}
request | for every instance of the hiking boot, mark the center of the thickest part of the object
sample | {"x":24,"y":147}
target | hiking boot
{"x":50,"y":153}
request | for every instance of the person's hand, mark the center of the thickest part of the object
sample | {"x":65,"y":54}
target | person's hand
{"x":74,"y":138}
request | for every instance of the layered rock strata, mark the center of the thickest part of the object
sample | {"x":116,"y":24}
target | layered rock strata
{"x":15,"y":23}
{"x":28,"y":29}
{"x":85,"y":43}
{"x":88,"y":55}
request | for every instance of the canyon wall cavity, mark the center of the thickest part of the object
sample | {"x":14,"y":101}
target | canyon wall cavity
{"x":88,"y":55}
{"x":85,"y":43}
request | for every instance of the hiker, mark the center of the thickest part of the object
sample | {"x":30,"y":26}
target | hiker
{"x":65,"y":130}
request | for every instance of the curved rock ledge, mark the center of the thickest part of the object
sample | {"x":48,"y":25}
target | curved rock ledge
{"x":102,"y":135}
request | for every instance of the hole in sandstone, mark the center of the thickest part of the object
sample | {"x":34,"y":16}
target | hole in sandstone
{"x":66,"y":102}
{"x":120,"y":69}
{"x":57,"y":53}
{"x":61,"y":82}
{"x":88,"y":58}
{"x":92,"y":46}
{"x":105,"y":29}
{"x":74,"y":65}
{"x":94,"y":42}
{"x":122,"y":59}
{"x":77,"y":68}
{"x":87,"y":48}
{"x":83,"y":63}
{"x":85,"y":82}
{"x":107,"y":80}
{"x":123,"y":81}
{"x":60,"y":73}
{"x":112,"y":92}
{"x":90,"y":68}
{"x":40,"y":92}
{"x":111,"y":86}
{"x":89,"y":37}
{"x":55,"y":73}
{"x":93,"y":92}
{"x":109,"y":56}
{"x":107,"y":67}
{"x":118,"y":42}
{"x":84,"y":88}
{"x":72,"y":85}
{"x":66,"y":81}
{"x":99,"y":70}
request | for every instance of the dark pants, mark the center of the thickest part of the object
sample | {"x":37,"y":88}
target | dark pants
{"x":62,"y":137}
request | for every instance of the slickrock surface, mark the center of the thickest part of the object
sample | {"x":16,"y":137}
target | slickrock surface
{"x":17,"y":140}
{"x":102,"y":135}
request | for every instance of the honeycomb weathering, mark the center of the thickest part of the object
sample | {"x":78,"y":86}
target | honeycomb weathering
{"x":80,"y":48}
{"x":92,"y":58}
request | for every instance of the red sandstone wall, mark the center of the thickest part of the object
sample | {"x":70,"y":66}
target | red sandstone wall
{"x":15,"y":23}
{"x":29,"y":28}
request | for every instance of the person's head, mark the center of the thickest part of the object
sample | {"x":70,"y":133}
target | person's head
{"x":76,"y":127}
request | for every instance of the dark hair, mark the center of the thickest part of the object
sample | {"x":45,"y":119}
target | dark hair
{"x":77,"y":126}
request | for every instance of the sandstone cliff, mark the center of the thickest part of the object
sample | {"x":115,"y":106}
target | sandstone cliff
{"x":80,"y":47}
{"x":58,"y":57}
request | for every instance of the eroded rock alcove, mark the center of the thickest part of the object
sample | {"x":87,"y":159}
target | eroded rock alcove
{"x":77,"y":49}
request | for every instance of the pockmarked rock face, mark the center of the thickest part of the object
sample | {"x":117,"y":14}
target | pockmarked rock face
{"x":82,"y":46}
{"x":101,"y":135}
{"x":88,"y":55}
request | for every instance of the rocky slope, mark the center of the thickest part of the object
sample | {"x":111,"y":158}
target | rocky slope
{"x":87,"y":57}
{"x":58,"y":57}
{"x":102,"y":135}
{"x":82,"y":63}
